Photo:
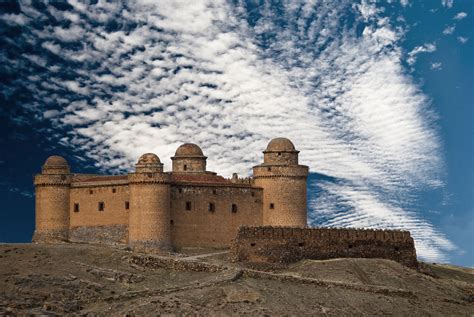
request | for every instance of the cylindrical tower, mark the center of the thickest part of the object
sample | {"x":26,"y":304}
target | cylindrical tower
{"x":189,"y":159}
{"x":284,"y":185}
{"x":52,"y":190}
{"x":149,"y":220}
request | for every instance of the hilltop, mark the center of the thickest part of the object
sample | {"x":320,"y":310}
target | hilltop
{"x":99,"y":280}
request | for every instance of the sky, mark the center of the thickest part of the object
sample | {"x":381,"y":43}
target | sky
{"x":377,"y":95}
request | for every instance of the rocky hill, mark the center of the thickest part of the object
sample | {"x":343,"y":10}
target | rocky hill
{"x":97,"y":280}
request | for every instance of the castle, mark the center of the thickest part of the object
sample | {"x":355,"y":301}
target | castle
{"x":186,"y":207}
{"x":261,"y":218}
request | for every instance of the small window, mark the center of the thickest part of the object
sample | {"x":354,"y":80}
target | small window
{"x":214,"y":192}
{"x":180,"y":190}
{"x":114,"y":190}
{"x":188,"y":205}
{"x":272,"y":206}
{"x":127,"y":205}
{"x":252,"y":244}
{"x":76,"y":207}
{"x":91,"y":191}
{"x":150,"y":175}
{"x":279,"y":153}
{"x":269,"y":169}
{"x":252,"y":193}
{"x":397,"y":249}
{"x":185,"y":167}
{"x":211,"y":207}
{"x":350,"y":246}
{"x":301,"y":244}
{"x":101,"y":206}
{"x":234,"y":208}
{"x":171,"y":222}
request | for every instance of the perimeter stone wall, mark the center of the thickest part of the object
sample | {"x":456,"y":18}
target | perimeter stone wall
{"x":286,"y":245}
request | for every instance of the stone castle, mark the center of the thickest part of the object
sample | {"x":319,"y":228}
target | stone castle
{"x":261,"y":218}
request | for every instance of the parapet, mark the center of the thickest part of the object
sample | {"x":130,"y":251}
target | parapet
{"x":287,"y":245}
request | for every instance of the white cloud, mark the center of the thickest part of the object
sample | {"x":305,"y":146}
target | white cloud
{"x":436,"y":66}
{"x":462,"y":39}
{"x":449,"y":30}
{"x":460,"y":16}
{"x":447,"y":3}
{"x":425,"y":48}
{"x":404,"y":3}
{"x":200,"y":72}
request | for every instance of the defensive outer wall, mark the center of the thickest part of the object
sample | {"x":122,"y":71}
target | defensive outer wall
{"x":268,"y":244}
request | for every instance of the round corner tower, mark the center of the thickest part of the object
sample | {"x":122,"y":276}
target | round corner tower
{"x":149,"y":218}
{"x":189,"y":159}
{"x":284,"y":185}
{"x":52,"y":192}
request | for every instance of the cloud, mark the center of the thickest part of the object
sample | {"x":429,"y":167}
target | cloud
{"x":449,"y":30}
{"x":463,"y":39}
{"x":460,"y":16}
{"x":117,"y":81}
{"x":436,"y":66}
{"x":447,"y":3}
{"x":425,"y":48}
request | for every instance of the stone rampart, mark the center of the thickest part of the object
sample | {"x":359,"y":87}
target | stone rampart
{"x":286,"y":245}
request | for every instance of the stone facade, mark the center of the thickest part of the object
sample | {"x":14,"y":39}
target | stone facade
{"x":267,"y":244}
{"x":151,"y":209}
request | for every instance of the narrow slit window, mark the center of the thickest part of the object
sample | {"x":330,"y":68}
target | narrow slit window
{"x":214,"y":192}
{"x":114,"y":190}
{"x":211,"y":207}
{"x":269,"y":169}
{"x":185,"y":167}
{"x":101,"y":206}
{"x":127,"y":205}
{"x":234,"y":208}
{"x":188,"y":205}
{"x":76,"y":207}
{"x":91,"y":191}
{"x":272,"y":206}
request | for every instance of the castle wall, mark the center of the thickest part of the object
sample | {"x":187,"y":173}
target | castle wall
{"x":200,"y":227}
{"x":52,"y":218}
{"x":287,"y":245}
{"x":89,"y":224}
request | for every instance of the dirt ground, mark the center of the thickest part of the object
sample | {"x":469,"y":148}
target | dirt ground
{"x":78,"y":279}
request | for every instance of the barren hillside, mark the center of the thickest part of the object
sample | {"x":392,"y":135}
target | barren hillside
{"x":98,"y":280}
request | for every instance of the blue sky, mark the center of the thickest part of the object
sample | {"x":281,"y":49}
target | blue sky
{"x":377,"y":96}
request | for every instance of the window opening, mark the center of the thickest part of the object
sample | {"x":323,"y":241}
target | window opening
{"x":188,"y":205}
{"x":272,"y":206}
{"x":114,"y":190}
{"x":127,"y":205}
{"x":76,"y":207}
{"x":101,"y":206}
{"x":185,"y":167}
{"x":211,"y":207}
{"x":234,"y":208}
{"x":91,"y":191}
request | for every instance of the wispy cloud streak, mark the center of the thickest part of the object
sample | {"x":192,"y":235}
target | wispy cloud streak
{"x":119,"y":81}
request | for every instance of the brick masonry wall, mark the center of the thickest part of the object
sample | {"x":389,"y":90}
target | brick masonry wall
{"x":88,"y":198}
{"x":149,"y":222}
{"x":287,"y":245}
{"x":52,"y":206}
{"x":109,"y":234}
{"x":200,"y":227}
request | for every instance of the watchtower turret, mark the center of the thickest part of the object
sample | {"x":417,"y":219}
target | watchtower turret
{"x":149,"y":218}
{"x":284,"y":185}
{"x":189,"y":159}
{"x":52,"y":192}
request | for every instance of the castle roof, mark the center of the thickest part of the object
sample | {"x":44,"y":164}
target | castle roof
{"x":149,"y":158}
{"x":280,"y":145}
{"x":55,"y":161}
{"x":189,"y":150}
